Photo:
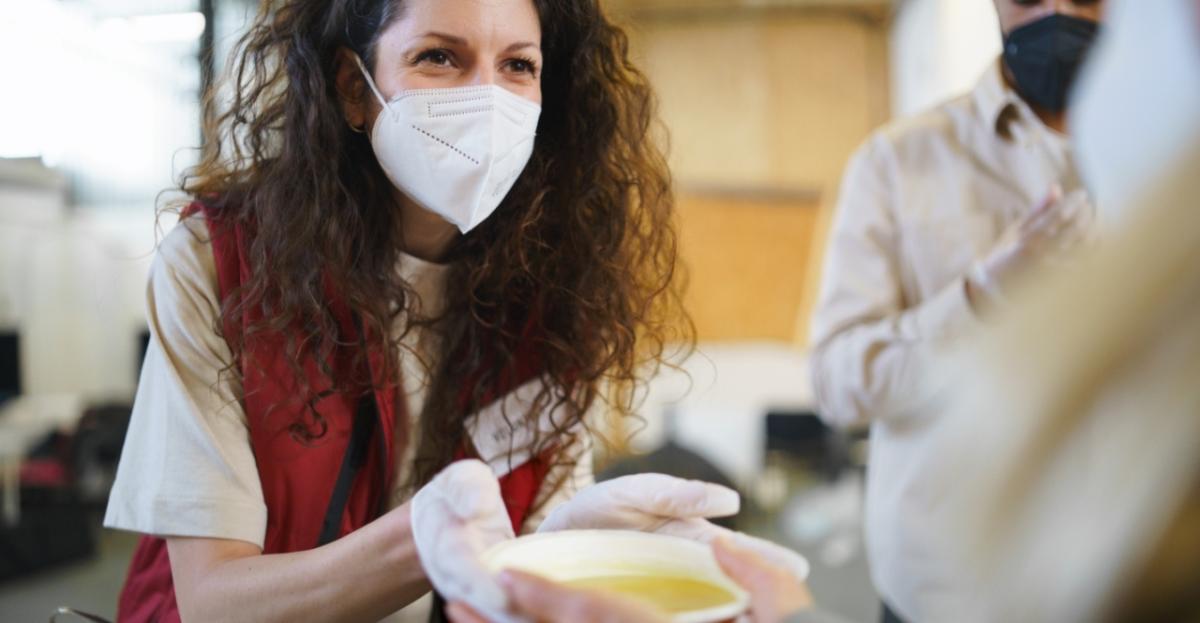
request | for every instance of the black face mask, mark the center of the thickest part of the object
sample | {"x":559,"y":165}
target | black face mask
{"x":1044,"y":58}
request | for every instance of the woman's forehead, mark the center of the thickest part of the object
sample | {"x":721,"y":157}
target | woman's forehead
{"x":476,"y":22}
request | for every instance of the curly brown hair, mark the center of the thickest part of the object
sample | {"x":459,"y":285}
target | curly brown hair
{"x":584,"y":244}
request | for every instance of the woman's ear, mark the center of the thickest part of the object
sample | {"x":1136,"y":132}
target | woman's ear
{"x":352,"y":90}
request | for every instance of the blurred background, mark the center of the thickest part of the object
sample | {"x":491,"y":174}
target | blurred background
{"x":765,"y":101}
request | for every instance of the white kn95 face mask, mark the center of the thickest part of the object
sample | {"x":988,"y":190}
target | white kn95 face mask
{"x":455,"y":152}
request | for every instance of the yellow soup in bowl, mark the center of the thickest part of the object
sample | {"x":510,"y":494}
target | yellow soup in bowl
{"x":678,"y":576}
{"x":672,"y":595}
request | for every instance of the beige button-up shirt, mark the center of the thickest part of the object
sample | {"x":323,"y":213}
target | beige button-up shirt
{"x":921,"y":201}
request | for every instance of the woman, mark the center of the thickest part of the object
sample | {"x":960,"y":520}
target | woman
{"x":384,"y":271}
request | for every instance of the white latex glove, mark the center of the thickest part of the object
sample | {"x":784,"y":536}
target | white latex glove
{"x":664,"y":505}
{"x":455,"y":518}
{"x":1054,"y":228}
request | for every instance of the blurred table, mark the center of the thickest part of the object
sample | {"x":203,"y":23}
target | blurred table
{"x":25,"y":421}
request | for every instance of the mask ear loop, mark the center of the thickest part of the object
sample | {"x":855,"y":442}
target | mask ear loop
{"x":371,"y":83}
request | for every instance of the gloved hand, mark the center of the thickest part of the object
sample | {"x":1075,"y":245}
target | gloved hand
{"x":455,"y":518}
{"x":665,"y":505}
{"x":1055,"y":227}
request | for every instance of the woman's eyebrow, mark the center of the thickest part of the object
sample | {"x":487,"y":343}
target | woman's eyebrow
{"x":460,"y":41}
{"x":452,"y":39}
{"x":520,"y":45}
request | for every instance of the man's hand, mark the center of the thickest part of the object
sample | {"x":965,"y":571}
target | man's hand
{"x":1054,"y":228}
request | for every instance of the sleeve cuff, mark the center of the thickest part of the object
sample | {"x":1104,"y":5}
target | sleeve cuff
{"x":947,"y":314}
{"x":200,"y":518}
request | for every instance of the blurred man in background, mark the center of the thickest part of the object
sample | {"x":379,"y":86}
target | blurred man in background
{"x":938,"y":216}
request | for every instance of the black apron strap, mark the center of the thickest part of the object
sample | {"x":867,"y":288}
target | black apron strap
{"x":365,"y":416}
{"x":437,"y":613}
{"x":352,"y":462}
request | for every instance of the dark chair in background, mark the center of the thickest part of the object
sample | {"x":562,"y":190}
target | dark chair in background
{"x":10,"y":365}
{"x":65,"y":482}
{"x":96,"y":449}
{"x":807,"y":442}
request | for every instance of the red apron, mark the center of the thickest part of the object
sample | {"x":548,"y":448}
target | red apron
{"x":298,"y":479}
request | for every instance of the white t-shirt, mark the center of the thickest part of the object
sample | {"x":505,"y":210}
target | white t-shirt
{"x":187,"y":468}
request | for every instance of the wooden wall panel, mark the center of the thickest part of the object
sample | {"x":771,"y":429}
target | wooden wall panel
{"x":746,"y":260}
{"x":762,"y":105}
{"x":759,"y":101}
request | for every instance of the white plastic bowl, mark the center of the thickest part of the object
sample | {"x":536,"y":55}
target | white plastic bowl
{"x":582,"y":554}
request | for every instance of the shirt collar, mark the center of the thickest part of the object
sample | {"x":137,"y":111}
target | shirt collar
{"x":1013,"y":121}
{"x":1005,"y":112}
{"x":999,"y":106}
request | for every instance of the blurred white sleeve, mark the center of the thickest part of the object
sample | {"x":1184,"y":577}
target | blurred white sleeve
{"x":869,"y":341}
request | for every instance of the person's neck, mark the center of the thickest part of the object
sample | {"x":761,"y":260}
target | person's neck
{"x":1056,"y":121}
{"x":427,"y":236}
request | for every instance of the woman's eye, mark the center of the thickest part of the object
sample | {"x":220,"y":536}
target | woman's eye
{"x":522,"y":66}
{"x":440,"y":58}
